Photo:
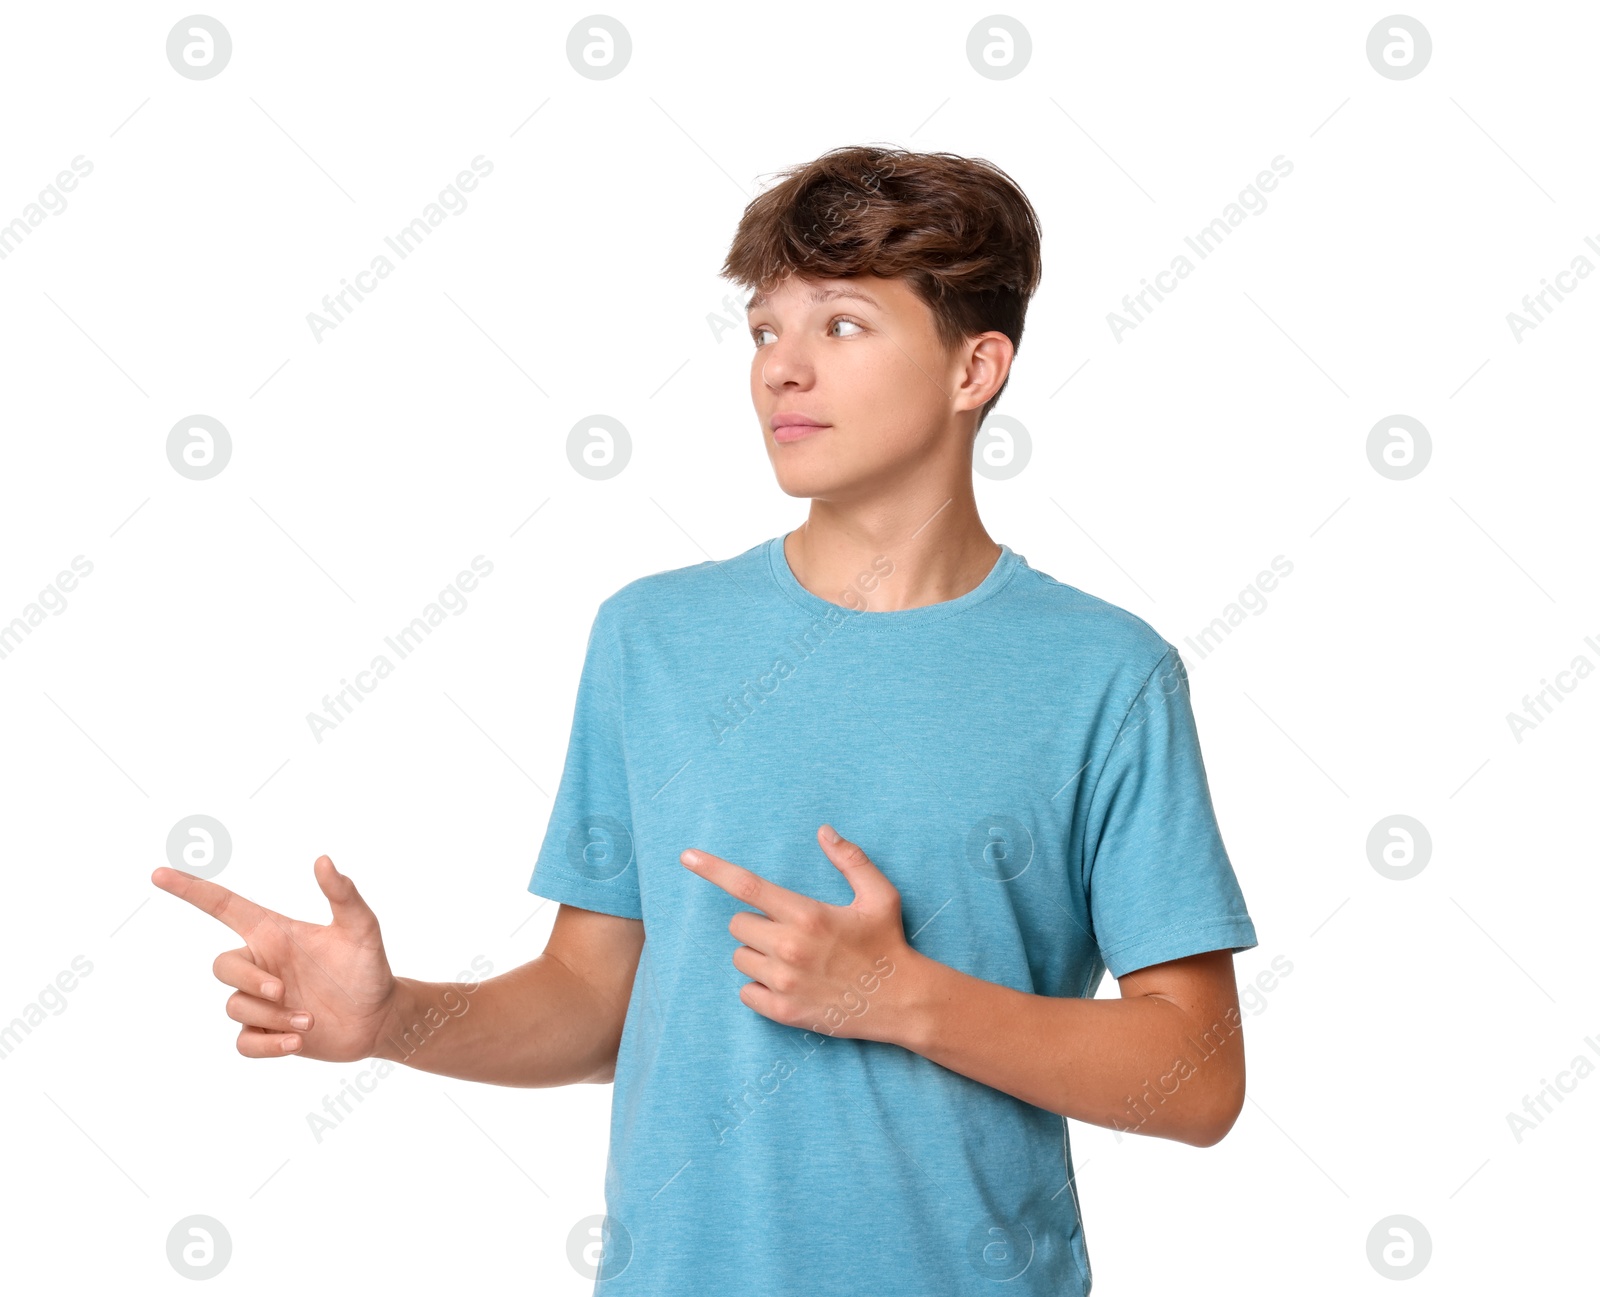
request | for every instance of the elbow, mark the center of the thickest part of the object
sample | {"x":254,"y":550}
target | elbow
{"x":1209,"y":1136}
{"x":605,"y":1073}
{"x":1219,"y":1122}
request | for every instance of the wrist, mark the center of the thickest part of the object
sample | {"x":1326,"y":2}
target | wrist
{"x":917,"y":994}
{"x":391,"y":1033}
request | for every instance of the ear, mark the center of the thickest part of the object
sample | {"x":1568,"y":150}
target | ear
{"x":985,"y":368}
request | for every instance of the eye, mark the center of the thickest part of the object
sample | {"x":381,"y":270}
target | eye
{"x":756,"y":333}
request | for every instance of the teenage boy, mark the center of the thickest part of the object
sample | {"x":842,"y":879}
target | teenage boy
{"x":850,"y":828}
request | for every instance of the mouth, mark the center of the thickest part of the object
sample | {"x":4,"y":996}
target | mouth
{"x":787,"y":428}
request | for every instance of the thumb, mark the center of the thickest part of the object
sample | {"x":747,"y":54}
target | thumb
{"x":867,"y":881}
{"x":349,"y":910}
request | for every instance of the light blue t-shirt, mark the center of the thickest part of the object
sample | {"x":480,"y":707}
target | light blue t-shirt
{"x":1021,"y":762}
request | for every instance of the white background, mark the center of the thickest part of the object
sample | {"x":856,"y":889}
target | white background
{"x":369,"y":467}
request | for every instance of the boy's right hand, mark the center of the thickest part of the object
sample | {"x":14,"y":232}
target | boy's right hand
{"x":336,"y":975}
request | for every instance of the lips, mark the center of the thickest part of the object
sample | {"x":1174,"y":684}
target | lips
{"x":791,"y":427}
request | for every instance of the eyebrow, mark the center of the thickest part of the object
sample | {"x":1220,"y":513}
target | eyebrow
{"x":820,"y":295}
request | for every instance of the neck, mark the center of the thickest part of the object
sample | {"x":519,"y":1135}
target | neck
{"x":889,"y":559}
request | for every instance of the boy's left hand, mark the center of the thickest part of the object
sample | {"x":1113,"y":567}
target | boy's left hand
{"x":817,"y":966}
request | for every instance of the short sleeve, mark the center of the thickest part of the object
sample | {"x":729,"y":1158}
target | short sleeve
{"x":587,"y":857}
{"x":1159,"y":882}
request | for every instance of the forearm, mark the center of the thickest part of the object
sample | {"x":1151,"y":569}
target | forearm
{"x":536,"y":1025}
{"x":1135,"y":1064}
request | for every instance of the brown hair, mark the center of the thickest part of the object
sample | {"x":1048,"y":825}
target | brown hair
{"x":959,"y":230}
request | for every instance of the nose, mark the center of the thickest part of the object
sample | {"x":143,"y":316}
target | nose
{"x":784,"y":364}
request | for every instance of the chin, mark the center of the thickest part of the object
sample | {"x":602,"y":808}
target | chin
{"x":803,"y":487}
{"x":826,"y":478}
{"x":802,"y":480}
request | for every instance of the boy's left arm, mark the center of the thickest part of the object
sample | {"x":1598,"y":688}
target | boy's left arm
{"x":1166,"y":1059}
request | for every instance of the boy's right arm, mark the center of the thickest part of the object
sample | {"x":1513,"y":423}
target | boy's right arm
{"x":555,"y":1020}
{"x":325,"y":991}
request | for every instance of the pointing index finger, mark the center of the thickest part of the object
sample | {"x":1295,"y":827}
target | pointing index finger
{"x":240,"y":914}
{"x":773,"y":901}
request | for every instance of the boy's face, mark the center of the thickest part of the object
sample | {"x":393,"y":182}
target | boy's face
{"x":865,"y":363}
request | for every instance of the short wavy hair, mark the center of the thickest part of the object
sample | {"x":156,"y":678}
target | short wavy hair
{"x":959,"y":231}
